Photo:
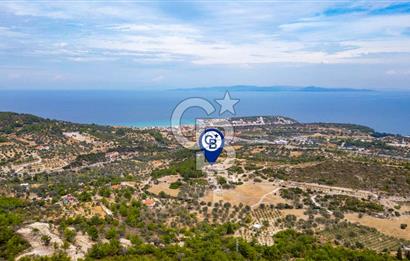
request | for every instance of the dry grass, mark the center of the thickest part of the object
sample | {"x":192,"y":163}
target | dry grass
{"x":297,"y":212}
{"x":296,"y":154}
{"x":163,"y":185}
{"x":389,"y":227}
{"x":248,"y":194}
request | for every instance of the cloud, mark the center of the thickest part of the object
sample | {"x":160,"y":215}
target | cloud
{"x":158,"y":78}
{"x":58,"y":77}
{"x":157,"y":28}
{"x":394,"y":72}
{"x":25,"y":8}
{"x":199,"y":51}
{"x":14,"y":76}
{"x":8,"y":32}
{"x":226,"y":34}
{"x":322,"y":35}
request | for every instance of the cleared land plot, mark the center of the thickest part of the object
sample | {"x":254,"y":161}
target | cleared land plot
{"x":247,"y":194}
{"x":164,"y":184}
{"x":389,"y":227}
{"x":299,"y":213}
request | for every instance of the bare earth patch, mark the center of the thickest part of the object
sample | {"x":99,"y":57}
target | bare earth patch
{"x":297,"y":212}
{"x":248,"y":194}
{"x":164,"y":184}
{"x":274,"y":198}
{"x":296,"y":154}
{"x":389,"y":226}
{"x":34,"y":232}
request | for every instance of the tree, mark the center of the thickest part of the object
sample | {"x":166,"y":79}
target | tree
{"x":99,"y":250}
{"x":14,"y":246}
{"x":69,"y":234}
{"x":230,"y":229}
{"x":46,"y":239}
{"x":93,"y":233}
{"x":399,"y":254}
{"x":221,"y":180}
{"x":60,"y":256}
{"x":408,"y":255}
{"x":111,"y":233}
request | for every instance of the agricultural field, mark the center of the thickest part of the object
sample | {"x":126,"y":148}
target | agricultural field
{"x":357,"y":236}
{"x":391,"y":227}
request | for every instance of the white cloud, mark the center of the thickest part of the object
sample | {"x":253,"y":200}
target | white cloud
{"x":14,"y":76}
{"x":8,"y":32}
{"x":158,"y":78}
{"x":199,"y":51}
{"x":156,"y":28}
{"x":86,"y":59}
{"x":350,"y":38}
{"x":82,"y":11}
{"x":58,"y":77}
{"x":25,"y":8}
{"x":231,"y":34}
{"x":394,"y":72}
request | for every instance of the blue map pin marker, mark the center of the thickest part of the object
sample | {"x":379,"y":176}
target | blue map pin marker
{"x":211,"y":143}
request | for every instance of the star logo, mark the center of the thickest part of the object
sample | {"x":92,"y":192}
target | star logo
{"x":227,"y":104}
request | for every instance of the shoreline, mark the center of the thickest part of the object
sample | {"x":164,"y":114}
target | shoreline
{"x":151,"y":124}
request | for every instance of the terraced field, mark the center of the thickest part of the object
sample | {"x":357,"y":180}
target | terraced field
{"x":266,"y":218}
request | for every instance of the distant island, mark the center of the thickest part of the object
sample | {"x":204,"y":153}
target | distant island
{"x":252,"y":88}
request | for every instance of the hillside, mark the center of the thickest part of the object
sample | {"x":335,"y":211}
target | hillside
{"x":76,"y":191}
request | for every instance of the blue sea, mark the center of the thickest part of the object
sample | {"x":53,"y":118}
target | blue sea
{"x":384,"y":111}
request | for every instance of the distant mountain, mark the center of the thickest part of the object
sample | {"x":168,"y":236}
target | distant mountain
{"x":251,"y":88}
{"x":322,"y":89}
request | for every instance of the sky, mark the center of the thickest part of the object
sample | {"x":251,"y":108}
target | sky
{"x":178,"y":44}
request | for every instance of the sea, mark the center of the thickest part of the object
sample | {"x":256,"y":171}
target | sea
{"x":384,"y":111}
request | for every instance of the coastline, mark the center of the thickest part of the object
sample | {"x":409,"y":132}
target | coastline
{"x":151,"y":124}
{"x":383,"y":111}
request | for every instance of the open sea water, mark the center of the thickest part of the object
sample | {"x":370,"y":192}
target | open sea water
{"x":384,"y":111}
